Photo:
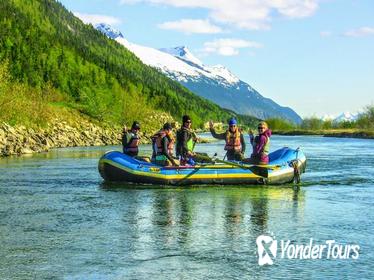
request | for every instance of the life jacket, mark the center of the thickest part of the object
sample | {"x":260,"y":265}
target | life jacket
{"x":157,"y":142}
{"x":233,"y":140}
{"x":133,"y":144}
{"x":266,"y":148}
{"x":190,"y":142}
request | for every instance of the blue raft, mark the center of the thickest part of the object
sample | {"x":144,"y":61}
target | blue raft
{"x":285,"y":166}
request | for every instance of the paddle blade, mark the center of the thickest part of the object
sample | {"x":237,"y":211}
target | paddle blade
{"x":260,"y":171}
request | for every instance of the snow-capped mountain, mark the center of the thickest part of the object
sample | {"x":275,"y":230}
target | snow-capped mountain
{"x":215,"y":83}
{"x":108,"y":30}
{"x":346,"y":116}
{"x":343,"y":117}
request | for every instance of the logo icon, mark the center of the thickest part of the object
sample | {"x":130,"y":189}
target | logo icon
{"x":267,"y":249}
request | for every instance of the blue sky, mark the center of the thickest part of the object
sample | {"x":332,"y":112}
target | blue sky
{"x":316,"y":56}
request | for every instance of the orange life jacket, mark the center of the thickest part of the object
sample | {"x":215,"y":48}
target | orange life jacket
{"x":133,"y":144}
{"x":233,"y":140}
{"x":157,"y":139}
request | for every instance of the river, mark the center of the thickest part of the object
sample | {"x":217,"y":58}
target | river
{"x":59,"y":220}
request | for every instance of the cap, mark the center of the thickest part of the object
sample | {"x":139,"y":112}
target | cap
{"x":167,"y":126}
{"x":232,"y":121}
{"x":135,"y":125}
{"x":186,"y":118}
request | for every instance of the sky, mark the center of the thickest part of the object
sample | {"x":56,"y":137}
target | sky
{"x":315,"y":56}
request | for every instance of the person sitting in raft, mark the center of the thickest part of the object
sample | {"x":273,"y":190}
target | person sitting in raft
{"x":260,"y":144}
{"x":163,"y":146}
{"x":131,"y":140}
{"x":235,"y":145}
{"x":186,"y":140}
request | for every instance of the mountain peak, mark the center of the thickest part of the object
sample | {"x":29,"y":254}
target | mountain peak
{"x":343,"y":117}
{"x":109,"y":30}
{"x":223,"y":72}
{"x":184,"y":53}
{"x":346,"y":116}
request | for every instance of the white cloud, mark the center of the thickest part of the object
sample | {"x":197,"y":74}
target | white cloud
{"x":228,"y":46}
{"x":325,"y":33}
{"x":247,"y":14}
{"x":95,"y":19}
{"x":360,"y":32}
{"x":191,"y":26}
{"x":295,"y":8}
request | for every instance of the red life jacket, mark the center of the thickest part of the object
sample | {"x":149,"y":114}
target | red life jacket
{"x":157,"y":140}
{"x":133,"y":144}
{"x":233,"y":140}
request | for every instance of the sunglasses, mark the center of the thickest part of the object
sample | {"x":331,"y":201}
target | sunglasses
{"x":233,"y":125}
{"x":260,"y":127}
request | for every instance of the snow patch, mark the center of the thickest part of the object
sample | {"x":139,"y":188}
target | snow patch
{"x":183,"y":53}
{"x":109,"y":31}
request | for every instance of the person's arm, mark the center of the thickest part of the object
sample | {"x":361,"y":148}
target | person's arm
{"x":125,"y":139}
{"x":242,"y":141}
{"x":165,"y":151}
{"x":221,"y":136}
{"x":251,"y":137}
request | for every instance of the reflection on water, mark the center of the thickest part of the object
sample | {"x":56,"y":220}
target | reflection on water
{"x":59,"y":219}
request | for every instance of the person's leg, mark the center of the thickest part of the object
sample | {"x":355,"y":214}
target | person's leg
{"x":238,"y":156}
{"x":230,"y":155}
{"x":143,"y":158}
{"x":250,"y":160}
{"x":202,"y":158}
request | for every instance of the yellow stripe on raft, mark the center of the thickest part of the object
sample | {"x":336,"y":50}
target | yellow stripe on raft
{"x":181,"y":176}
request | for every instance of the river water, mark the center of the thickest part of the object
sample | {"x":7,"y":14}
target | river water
{"x":59,"y":220}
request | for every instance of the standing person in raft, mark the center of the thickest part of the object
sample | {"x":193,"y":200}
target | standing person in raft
{"x":260,"y":144}
{"x":163,"y":146}
{"x":131,"y":139}
{"x":186,"y":140}
{"x":235,"y":145}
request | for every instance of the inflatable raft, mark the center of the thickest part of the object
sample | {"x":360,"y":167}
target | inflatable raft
{"x":286,"y":166}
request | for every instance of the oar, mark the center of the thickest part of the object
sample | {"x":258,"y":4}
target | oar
{"x":224,"y":156}
{"x":261,"y":170}
{"x":267,"y":166}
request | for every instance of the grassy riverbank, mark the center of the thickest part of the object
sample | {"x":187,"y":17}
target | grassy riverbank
{"x":362,"y":127}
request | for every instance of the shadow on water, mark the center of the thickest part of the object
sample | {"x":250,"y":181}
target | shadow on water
{"x":226,"y":212}
{"x":348,"y":182}
{"x":117,"y":186}
{"x":216,"y":225}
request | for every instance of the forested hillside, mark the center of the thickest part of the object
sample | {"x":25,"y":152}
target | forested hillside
{"x":46,"y":48}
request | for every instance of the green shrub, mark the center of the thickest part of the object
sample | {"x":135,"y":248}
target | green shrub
{"x":366,"y":119}
{"x":312,"y":123}
{"x":280,"y":124}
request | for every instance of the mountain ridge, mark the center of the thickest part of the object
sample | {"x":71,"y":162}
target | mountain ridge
{"x":216,"y":83}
